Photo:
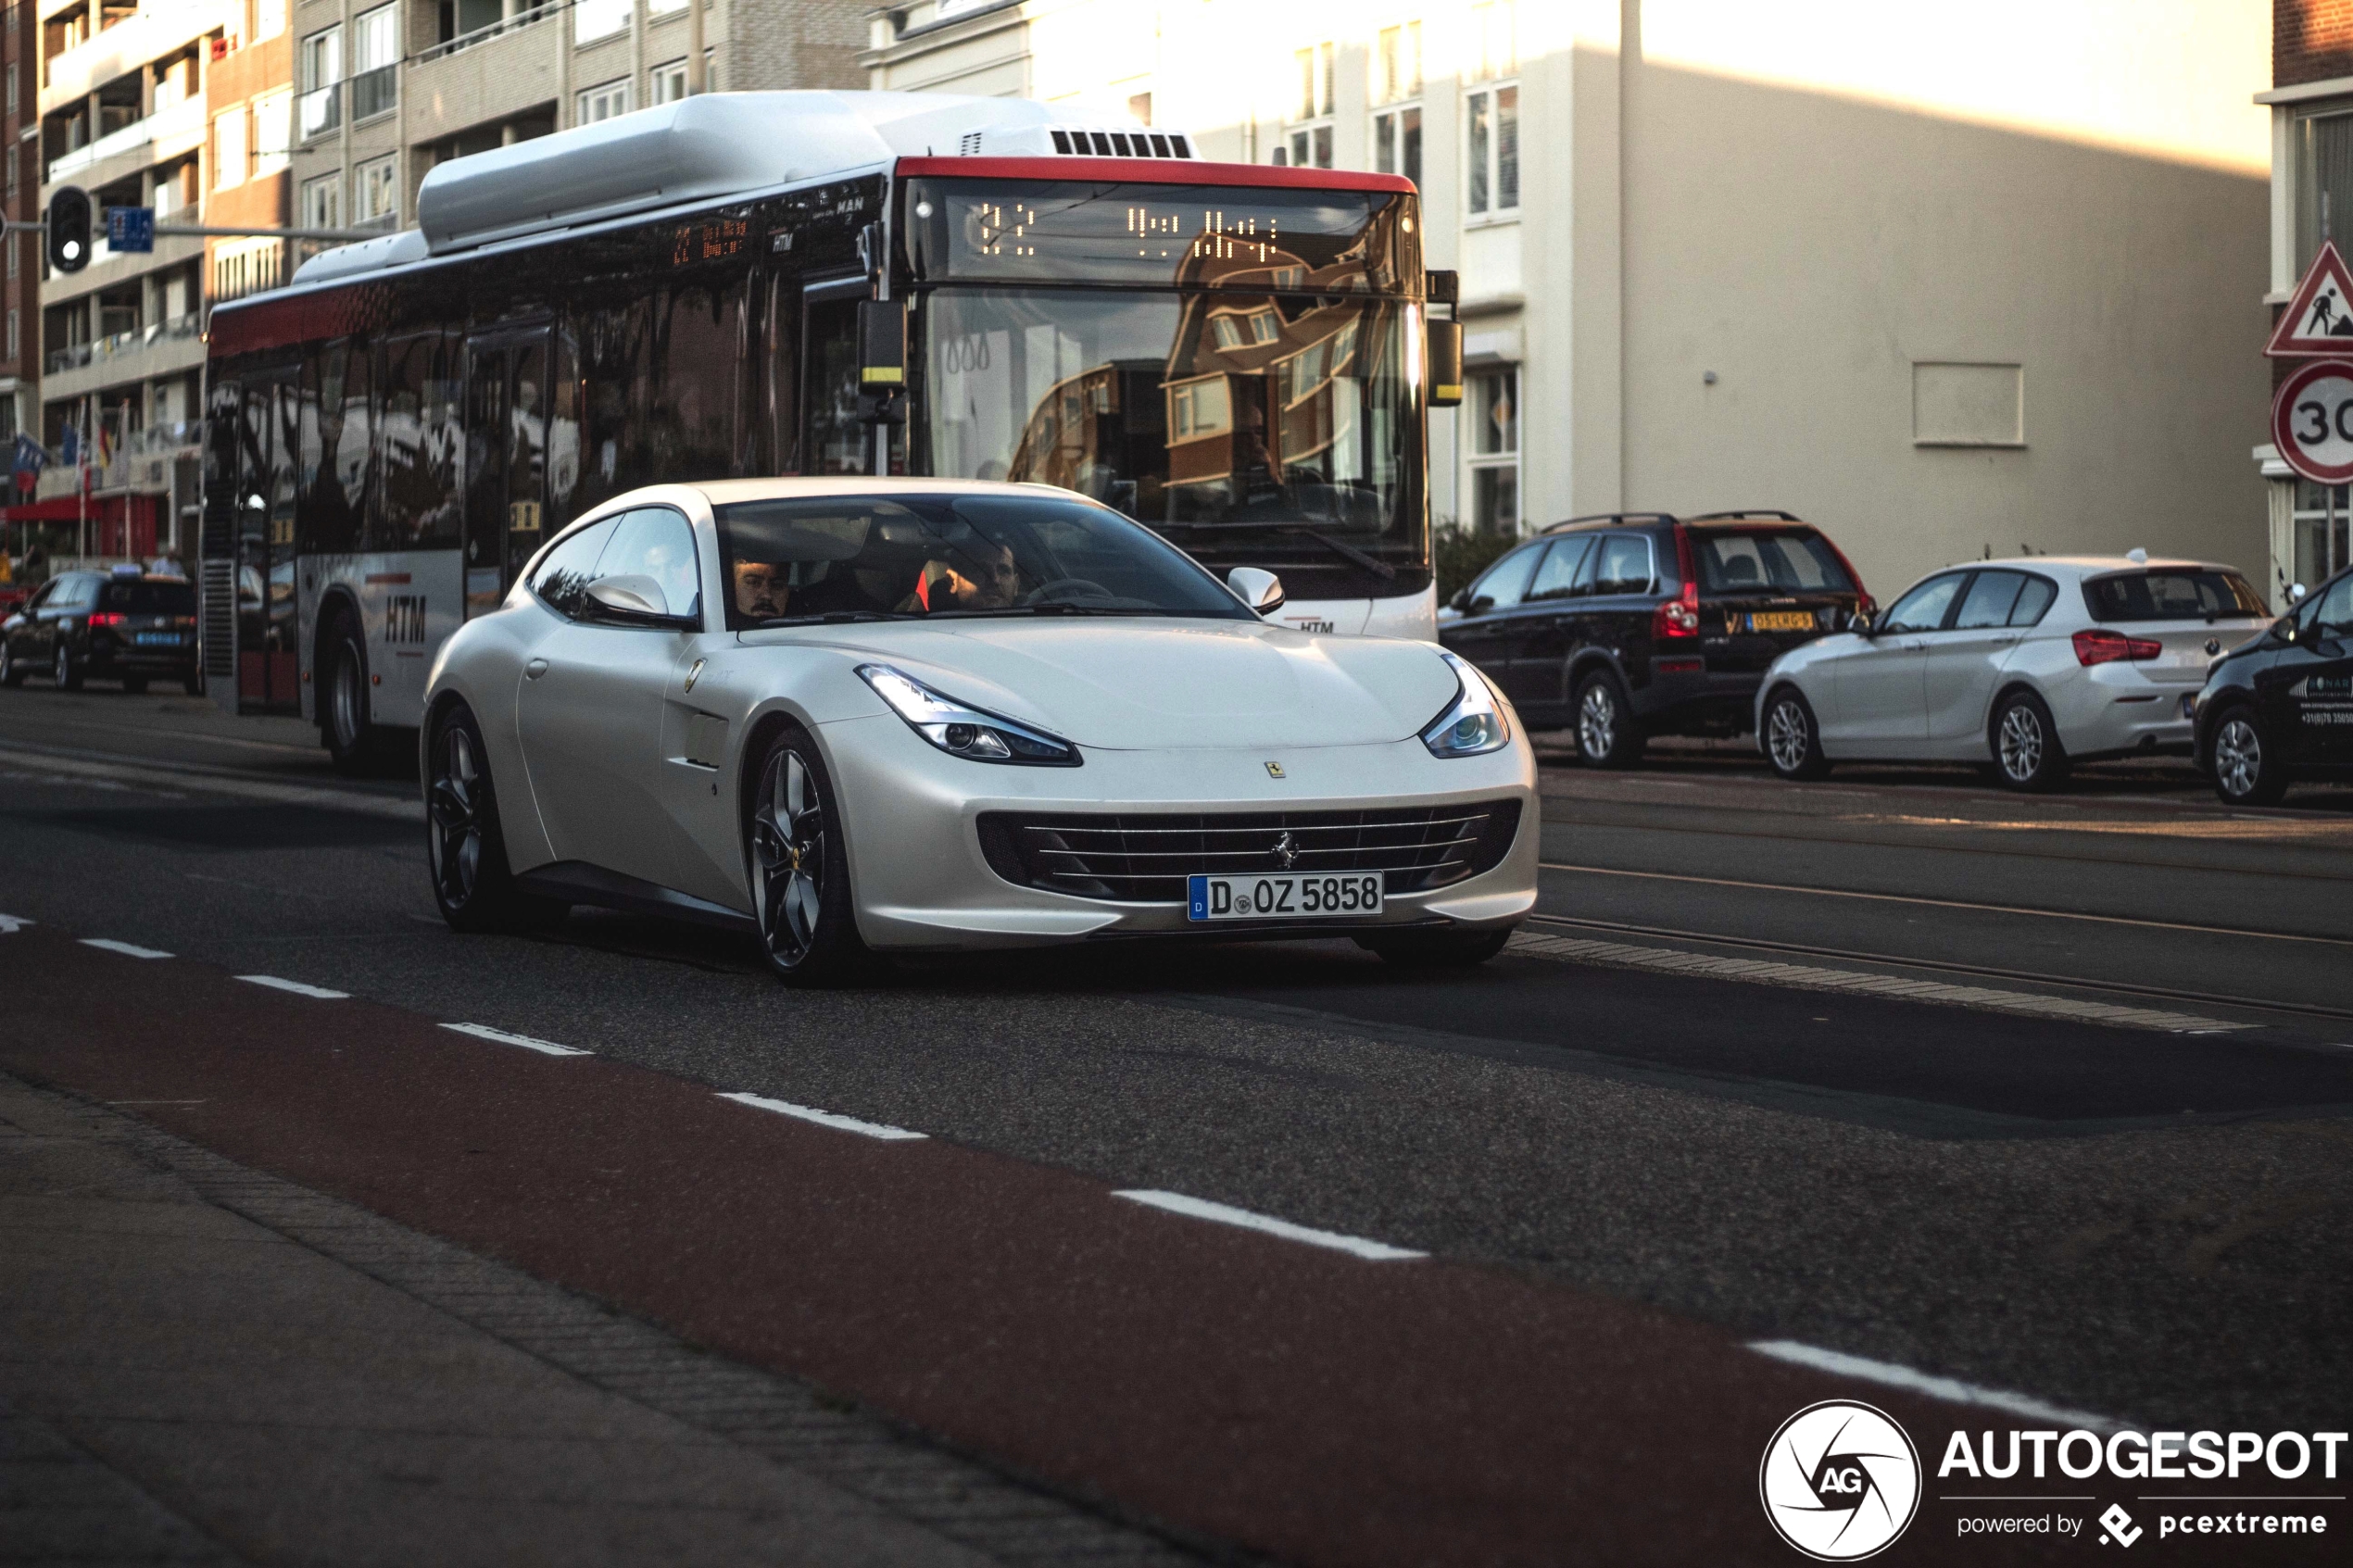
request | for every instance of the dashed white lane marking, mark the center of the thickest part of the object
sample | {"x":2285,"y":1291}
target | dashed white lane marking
{"x":297,"y":986}
{"x":1808,"y":977}
{"x":11,"y":924}
{"x":824,"y":1117}
{"x":128,"y":949}
{"x":1951,"y":1389}
{"x":545,"y":1048}
{"x":1197,"y":1208}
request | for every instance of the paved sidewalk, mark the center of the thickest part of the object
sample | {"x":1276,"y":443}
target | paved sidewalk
{"x":199,"y":1363}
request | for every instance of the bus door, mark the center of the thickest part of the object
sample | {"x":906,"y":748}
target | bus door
{"x":834,"y":440}
{"x":269,"y":640}
{"x":506,"y":459}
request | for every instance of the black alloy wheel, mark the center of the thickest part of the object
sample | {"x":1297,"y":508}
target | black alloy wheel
{"x":1605,"y":733}
{"x":471,"y":881}
{"x":65,"y":672}
{"x":1437,"y":949}
{"x":343,"y":710}
{"x":800,"y":869}
{"x":12,"y":672}
{"x":2026,"y":754}
{"x":1793,"y":741}
{"x":2247,"y":772}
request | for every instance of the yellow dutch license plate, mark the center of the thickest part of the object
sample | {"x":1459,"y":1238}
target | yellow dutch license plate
{"x":1782,"y":620}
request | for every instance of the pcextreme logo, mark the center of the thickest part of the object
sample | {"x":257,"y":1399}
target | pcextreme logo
{"x":1840,"y":1481}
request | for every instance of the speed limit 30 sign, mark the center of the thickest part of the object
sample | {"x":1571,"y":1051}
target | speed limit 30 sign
{"x":2312,"y":421}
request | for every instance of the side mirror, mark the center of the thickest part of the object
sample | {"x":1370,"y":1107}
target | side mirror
{"x":881,"y":359}
{"x":1861,"y":625}
{"x":1445,"y":363}
{"x":1256,"y":587}
{"x":1480,"y":605}
{"x":2285,"y":628}
{"x":637,"y":600}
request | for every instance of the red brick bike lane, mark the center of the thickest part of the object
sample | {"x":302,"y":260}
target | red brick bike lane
{"x":1295,"y":1401}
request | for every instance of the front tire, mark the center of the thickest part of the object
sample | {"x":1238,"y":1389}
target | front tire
{"x":1605,"y":733}
{"x":799,"y":868}
{"x":2247,"y":767}
{"x":65,"y":672}
{"x":12,"y":673}
{"x":2026,"y":754}
{"x":471,"y":881}
{"x":1437,"y":949}
{"x":1792,"y":740}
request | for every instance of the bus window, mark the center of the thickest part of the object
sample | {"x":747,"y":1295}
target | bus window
{"x":696,"y":372}
{"x":506,"y":461}
{"x":423,"y":444}
{"x":835,"y":442}
{"x":336,"y":446}
{"x":612,"y":346}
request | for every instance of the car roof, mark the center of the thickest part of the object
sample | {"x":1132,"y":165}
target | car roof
{"x":722,"y":491}
{"x":2087,"y":566}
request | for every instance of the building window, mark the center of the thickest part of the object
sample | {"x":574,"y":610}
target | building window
{"x":667,"y":82}
{"x":1494,"y":410}
{"x":603,"y":101}
{"x":268,"y":19}
{"x":375,"y":190}
{"x":1309,"y":145}
{"x":591,"y":19}
{"x":1490,"y":112}
{"x":323,"y":202}
{"x":272,"y":131}
{"x":1397,"y":121}
{"x":2323,"y":183}
{"x":244,"y":267}
{"x":375,"y":54}
{"x":322,"y":103}
{"x":229,"y":149}
{"x":1398,"y":64}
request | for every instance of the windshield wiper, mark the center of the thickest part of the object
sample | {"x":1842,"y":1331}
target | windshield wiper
{"x":829,"y":618}
{"x":1340,"y":547}
{"x":1051,"y":607}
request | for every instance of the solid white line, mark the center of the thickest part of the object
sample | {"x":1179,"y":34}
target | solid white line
{"x":1948,"y":1389}
{"x":545,"y":1048}
{"x":1197,"y":1208}
{"x":127,"y":950}
{"x":1952,"y":904}
{"x":11,"y":924}
{"x":824,"y":1117}
{"x":297,"y":986}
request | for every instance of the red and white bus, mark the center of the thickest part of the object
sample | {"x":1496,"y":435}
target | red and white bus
{"x":1234,"y":355}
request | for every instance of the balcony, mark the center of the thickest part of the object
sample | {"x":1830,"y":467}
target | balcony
{"x":484,"y":77}
{"x":374,"y":92}
{"x":515,"y":23}
{"x":184,"y":117}
{"x":158,"y":348}
{"x":316,"y":113}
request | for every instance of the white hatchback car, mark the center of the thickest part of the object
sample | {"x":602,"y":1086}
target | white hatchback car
{"x":2030,"y":664}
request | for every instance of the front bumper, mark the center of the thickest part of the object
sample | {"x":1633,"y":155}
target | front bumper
{"x":921,"y":881}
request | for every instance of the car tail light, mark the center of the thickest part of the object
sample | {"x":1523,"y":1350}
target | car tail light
{"x":105,"y":618}
{"x":2098,"y":645}
{"x":1679,"y":617}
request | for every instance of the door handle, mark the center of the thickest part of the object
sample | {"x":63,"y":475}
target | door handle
{"x":537,"y":667}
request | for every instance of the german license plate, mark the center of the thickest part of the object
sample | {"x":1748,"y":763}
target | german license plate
{"x":1782,"y":620}
{"x":1283,"y":896}
{"x":159,"y":639}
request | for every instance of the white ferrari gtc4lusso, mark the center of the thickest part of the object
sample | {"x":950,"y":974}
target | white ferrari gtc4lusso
{"x":861,"y":717}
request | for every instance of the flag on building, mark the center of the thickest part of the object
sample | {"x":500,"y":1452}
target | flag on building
{"x":30,"y":458}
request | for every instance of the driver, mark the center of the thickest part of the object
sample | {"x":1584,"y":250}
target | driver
{"x":762,"y":589}
{"x":992,"y":581}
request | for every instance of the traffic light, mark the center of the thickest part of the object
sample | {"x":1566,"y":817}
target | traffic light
{"x":68,"y":229}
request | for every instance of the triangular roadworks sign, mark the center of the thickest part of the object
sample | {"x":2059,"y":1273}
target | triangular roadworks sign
{"x":2319,"y":318}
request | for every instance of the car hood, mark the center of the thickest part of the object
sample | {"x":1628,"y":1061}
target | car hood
{"x":1135,"y":685}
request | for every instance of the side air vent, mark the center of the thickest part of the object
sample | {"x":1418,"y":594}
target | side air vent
{"x":1075,"y":141}
{"x":970,"y":146}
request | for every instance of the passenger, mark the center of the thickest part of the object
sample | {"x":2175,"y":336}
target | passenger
{"x":762,"y":589}
{"x":993,"y":583}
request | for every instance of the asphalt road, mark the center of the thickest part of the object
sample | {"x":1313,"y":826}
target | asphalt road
{"x":1810,"y":1063}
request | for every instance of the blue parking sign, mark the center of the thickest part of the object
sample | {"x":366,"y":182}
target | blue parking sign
{"x":130,"y":228}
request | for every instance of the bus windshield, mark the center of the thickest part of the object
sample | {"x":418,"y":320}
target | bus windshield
{"x":1271,"y":429}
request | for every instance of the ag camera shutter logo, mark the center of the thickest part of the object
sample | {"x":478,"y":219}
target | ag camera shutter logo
{"x":1840,"y":1481}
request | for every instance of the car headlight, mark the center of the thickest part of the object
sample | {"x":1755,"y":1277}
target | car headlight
{"x":963,"y":731}
{"x":1473,"y":723}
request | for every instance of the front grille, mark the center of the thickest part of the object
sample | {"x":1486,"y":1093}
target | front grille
{"x":1144,"y":857}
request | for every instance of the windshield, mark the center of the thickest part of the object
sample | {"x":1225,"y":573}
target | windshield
{"x":1273,"y":430}
{"x":924,"y":556}
{"x":1792,"y":562}
{"x":2183,"y":593}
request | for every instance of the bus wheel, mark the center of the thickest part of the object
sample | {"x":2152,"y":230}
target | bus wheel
{"x":344,"y":729}
{"x":472,"y":879}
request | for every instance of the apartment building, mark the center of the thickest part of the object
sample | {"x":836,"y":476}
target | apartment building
{"x":385,"y":89}
{"x":2310,"y":103}
{"x":1943,"y":279}
{"x":125,"y":115}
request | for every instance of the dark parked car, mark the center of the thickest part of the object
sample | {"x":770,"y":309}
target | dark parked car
{"x":2279,"y":707}
{"x":118,"y":626}
{"x":1635,"y":624}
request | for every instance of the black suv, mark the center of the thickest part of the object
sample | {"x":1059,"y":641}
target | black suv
{"x":118,"y":626}
{"x":1633,"y":625}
